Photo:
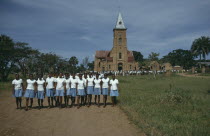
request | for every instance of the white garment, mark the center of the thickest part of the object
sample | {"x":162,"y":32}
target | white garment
{"x":81,"y":84}
{"x":114,"y":84}
{"x":97,"y":83}
{"x":73,"y":82}
{"x":40,"y":84}
{"x":50,"y":82}
{"x":67,"y":83}
{"x":60,"y":83}
{"x":90,"y":81}
{"x":17,"y":84}
{"x":30,"y":84}
{"x":85,"y":80}
{"x":105,"y":82}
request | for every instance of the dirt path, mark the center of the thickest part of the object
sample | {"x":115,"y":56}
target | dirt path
{"x":93,"y":121}
{"x":192,"y":75}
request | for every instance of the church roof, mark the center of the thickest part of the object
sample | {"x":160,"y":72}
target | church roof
{"x":101,"y":54}
{"x":120,"y":23}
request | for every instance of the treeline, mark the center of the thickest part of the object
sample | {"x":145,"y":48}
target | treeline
{"x":20,"y":57}
{"x":200,"y":48}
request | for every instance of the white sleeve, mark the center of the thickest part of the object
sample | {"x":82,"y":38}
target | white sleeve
{"x":55,"y":80}
{"x":13,"y":82}
{"x":117,"y":82}
{"x":21,"y":81}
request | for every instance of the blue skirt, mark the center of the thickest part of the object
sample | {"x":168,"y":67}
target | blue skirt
{"x":105,"y":91}
{"x":114,"y":93}
{"x":73,"y":92}
{"x":40,"y":95}
{"x":81,"y":92}
{"x":90,"y":90}
{"x":59,"y":93}
{"x":68,"y":92}
{"x":50,"y":92}
{"x":97,"y":91}
{"x":18,"y":93}
{"x":29,"y":94}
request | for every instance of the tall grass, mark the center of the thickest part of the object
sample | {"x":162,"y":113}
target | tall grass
{"x":167,"y":105}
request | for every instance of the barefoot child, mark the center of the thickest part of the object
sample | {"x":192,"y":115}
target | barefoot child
{"x":50,"y":89}
{"x":73,"y":85}
{"x":97,"y":89}
{"x":90,"y":88}
{"x":114,"y":90}
{"x":30,"y":93}
{"x":17,"y":90}
{"x":60,"y":88}
{"x":80,"y":91}
{"x":40,"y":91}
{"x":105,"y":87}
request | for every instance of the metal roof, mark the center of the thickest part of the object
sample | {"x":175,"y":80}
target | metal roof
{"x":120,"y":23}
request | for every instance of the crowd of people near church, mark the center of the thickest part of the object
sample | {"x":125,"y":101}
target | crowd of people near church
{"x":68,"y":90}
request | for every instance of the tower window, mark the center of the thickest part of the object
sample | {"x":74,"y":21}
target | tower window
{"x":120,"y":22}
{"x":130,"y":66}
{"x":99,"y":64}
{"x":109,"y":66}
{"x":120,"y":41}
{"x":120,"y":55}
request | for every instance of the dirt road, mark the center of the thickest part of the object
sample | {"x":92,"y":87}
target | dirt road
{"x":93,"y":121}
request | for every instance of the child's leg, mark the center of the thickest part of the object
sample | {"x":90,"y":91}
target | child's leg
{"x":27,"y":101}
{"x":51,"y":101}
{"x":17,"y":100}
{"x":98,"y":100}
{"x":78,"y":104}
{"x":31,"y":99}
{"x":112,"y":97}
{"x":60,"y":101}
{"x":20,"y":102}
{"x":48,"y":98}
{"x":95,"y":99}
{"x":42,"y":102}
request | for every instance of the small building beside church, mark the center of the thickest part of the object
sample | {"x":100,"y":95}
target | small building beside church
{"x":119,"y":58}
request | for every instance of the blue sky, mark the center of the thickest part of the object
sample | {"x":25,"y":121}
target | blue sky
{"x":80,"y":27}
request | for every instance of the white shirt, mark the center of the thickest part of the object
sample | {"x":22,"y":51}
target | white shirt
{"x":114,"y":84}
{"x":40,"y":85}
{"x":50,"y":82}
{"x":67,"y":83}
{"x":60,"y":82}
{"x":17,"y":84}
{"x":30,"y":84}
{"x":97,"y":83}
{"x":81,"y":84}
{"x":105,"y":82}
{"x":85,"y":80}
{"x":90,"y":81}
{"x":73,"y":82}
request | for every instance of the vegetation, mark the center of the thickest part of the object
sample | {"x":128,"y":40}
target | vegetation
{"x":180,"y":57}
{"x":167,"y":105}
{"x":19,"y":57}
{"x":201,"y":47}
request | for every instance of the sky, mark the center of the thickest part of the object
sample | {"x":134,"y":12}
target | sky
{"x":80,"y":27}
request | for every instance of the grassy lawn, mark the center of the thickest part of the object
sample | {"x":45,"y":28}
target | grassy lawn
{"x":173,"y":105}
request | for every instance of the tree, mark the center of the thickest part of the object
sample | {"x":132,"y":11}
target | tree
{"x":85,"y":62}
{"x":138,"y":56}
{"x":91,"y":66}
{"x":153,"y":56}
{"x":73,"y":62}
{"x":180,"y":57}
{"x":7,"y":55}
{"x":201,"y":47}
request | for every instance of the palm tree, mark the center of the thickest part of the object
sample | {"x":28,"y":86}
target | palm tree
{"x":201,"y":47}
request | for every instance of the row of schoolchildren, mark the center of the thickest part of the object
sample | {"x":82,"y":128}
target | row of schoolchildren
{"x":65,"y":86}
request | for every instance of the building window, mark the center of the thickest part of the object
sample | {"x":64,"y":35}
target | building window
{"x":130,"y":67}
{"x":120,"y":41}
{"x":99,"y":64}
{"x":120,"y":55}
{"x":109,"y":66}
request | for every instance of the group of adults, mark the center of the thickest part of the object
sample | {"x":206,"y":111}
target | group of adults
{"x":69,"y":87}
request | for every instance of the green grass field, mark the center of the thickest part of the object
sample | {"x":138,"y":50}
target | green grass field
{"x":173,"y":105}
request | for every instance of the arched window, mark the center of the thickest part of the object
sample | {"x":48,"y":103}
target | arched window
{"x":99,"y":64}
{"x":120,"y":55}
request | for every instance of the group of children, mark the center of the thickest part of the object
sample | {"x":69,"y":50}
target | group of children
{"x":67,"y":87}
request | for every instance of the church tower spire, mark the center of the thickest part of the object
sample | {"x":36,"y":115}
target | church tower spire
{"x":119,"y":23}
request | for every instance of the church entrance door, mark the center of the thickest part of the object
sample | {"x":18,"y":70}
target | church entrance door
{"x":120,"y":66}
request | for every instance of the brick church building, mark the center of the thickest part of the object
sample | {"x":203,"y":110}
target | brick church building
{"x":119,"y":58}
